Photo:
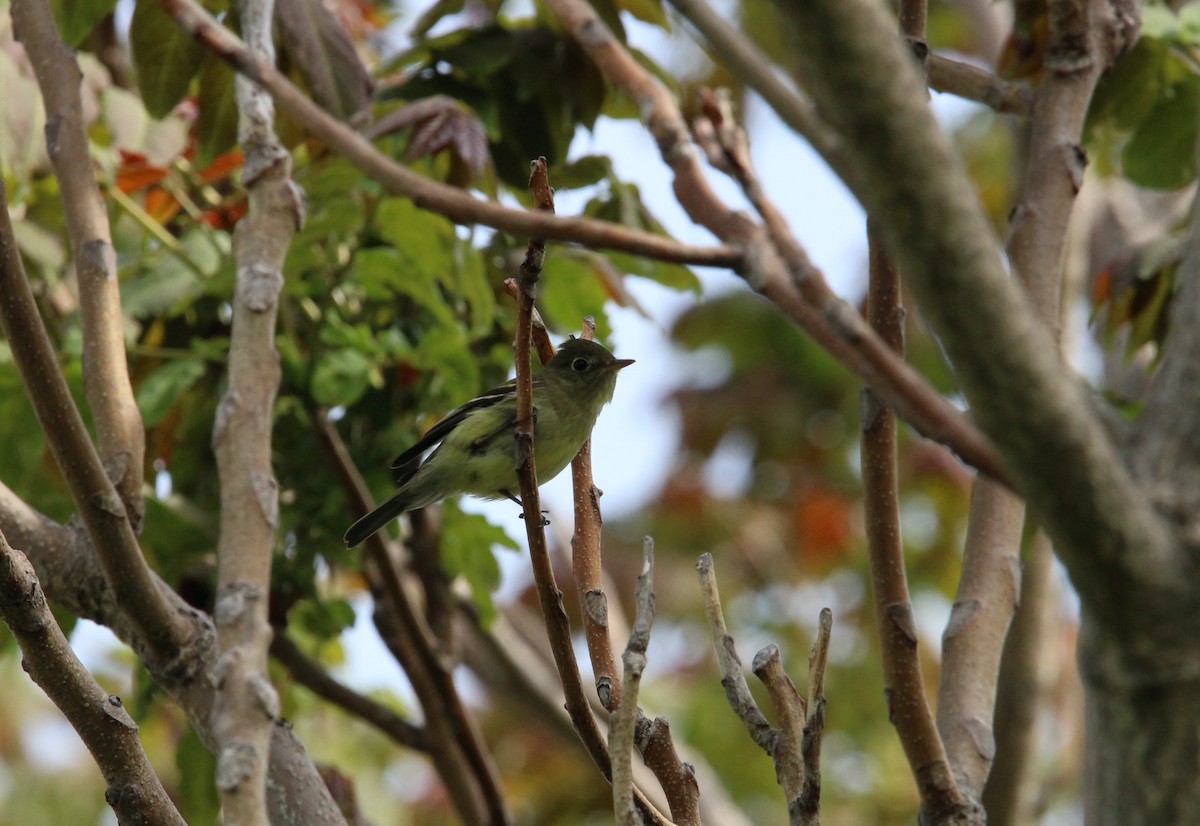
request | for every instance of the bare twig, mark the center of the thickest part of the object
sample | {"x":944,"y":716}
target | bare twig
{"x":737,"y":690}
{"x":809,"y":803}
{"x":789,"y":740}
{"x":119,"y":431}
{"x":620,"y":735}
{"x":904,"y":686}
{"x":103,"y":513}
{"x":110,"y":734}
{"x":455,"y":204}
{"x":316,"y":679}
{"x":549,"y":597}
{"x":795,"y":746}
{"x":587,"y":566}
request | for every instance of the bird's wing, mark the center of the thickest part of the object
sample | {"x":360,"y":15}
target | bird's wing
{"x":406,"y":464}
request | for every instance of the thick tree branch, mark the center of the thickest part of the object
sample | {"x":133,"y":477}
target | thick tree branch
{"x":103,"y":513}
{"x":454,"y":203}
{"x":1164,"y":444}
{"x":70,"y":572}
{"x":110,"y":734}
{"x":1055,"y":447}
{"x":247,"y":703}
{"x":118,"y":422}
{"x":620,"y":735}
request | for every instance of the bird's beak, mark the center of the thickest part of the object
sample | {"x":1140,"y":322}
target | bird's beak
{"x":620,"y":364}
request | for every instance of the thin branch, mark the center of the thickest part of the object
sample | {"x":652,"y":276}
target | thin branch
{"x":790,"y":713}
{"x":455,"y":743}
{"x":1056,"y":449}
{"x":795,"y":747}
{"x":316,"y":679}
{"x":830,"y":320}
{"x":809,"y":803}
{"x":620,"y":734}
{"x":989,"y":589}
{"x":990,"y":585}
{"x":549,"y":597}
{"x":587,"y":566}
{"x":454,"y":203}
{"x":745,"y":60}
{"x":119,"y":430}
{"x":1009,"y":795}
{"x":110,"y":734}
{"x":558,"y":625}
{"x":954,"y":77}
{"x":904,"y":685}
{"x":733,"y":680}
{"x":134,"y":586}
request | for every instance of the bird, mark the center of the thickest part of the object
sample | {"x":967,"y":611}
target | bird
{"x":474,"y":446}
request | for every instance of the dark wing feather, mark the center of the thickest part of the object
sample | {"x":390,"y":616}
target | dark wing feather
{"x":406,"y":464}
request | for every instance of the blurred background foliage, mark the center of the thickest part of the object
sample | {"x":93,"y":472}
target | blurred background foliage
{"x":392,"y":316}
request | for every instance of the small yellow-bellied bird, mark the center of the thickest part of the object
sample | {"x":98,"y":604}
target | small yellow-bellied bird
{"x":477,"y":453}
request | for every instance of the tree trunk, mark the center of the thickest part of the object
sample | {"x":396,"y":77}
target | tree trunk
{"x":1143,"y":733}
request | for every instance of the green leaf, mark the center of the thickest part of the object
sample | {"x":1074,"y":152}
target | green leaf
{"x":315,"y":44}
{"x":341,"y":377}
{"x":472,"y":285}
{"x":468,"y":543}
{"x":1126,"y":94}
{"x":217,"y":118}
{"x":443,"y":351}
{"x":1162,"y":152}
{"x":164,"y":387}
{"x":77,"y":19}
{"x":570,"y":290}
{"x":323,"y":619}
{"x":586,"y":171}
{"x":675,"y":276}
{"x":385,"y":273}
{"x":165,"y":57}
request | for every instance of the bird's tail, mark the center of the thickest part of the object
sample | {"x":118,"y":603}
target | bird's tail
{"x":374,"y":521}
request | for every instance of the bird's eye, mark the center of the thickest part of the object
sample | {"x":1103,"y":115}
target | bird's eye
{"x":579,"y":365}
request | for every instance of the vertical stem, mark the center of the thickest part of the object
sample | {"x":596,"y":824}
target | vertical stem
{"x":246,"y":703}
{"x":903,"y":684}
